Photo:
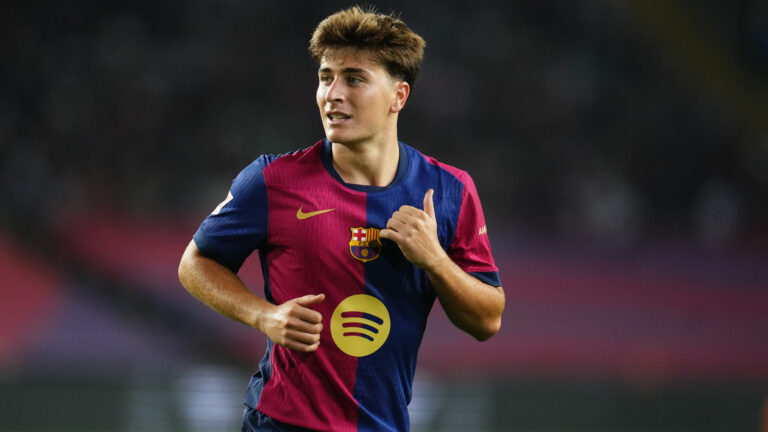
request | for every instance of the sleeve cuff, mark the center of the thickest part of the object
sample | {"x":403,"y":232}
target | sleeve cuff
{"x":209,"y":250}
{"x":491,"y":278}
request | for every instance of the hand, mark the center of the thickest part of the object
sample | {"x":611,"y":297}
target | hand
{"x":294,"y":325}
{"x":415,"y":232}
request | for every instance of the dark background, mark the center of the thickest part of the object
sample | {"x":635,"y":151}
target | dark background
{"x":620,"y":150}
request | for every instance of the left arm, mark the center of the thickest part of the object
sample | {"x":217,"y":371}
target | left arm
{"x":472,"y":305}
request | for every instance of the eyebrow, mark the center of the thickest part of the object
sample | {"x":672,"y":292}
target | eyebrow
{"x":346,"y":70}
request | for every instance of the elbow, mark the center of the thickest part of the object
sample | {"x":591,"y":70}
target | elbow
{"x":185,"y":266}
{"x":488,"y":329}
{"x":182,"y":272}
{"x":492,"y":322}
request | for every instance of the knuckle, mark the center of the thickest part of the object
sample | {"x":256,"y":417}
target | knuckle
{"x":280,"y":340}
{"x":281,"y":321}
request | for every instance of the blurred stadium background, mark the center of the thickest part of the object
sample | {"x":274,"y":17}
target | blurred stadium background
{"x":620,"y":149}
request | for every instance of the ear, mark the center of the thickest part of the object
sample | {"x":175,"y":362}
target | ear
{"x":402,"y":91}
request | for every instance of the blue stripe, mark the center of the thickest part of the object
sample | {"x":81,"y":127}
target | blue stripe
{"x":373,"y":318}
{"x":370,"y":328}
{"x":240,"y":226}
{"x":384,"y":378}
{"x":259,"y":379}
{"x":491,"y":278}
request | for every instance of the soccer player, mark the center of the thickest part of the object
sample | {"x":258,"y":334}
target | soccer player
{"x":357,"y":235}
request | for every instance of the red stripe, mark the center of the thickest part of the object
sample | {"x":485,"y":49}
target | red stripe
{"x":321,"y":395}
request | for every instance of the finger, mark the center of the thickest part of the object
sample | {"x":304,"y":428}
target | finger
{"x":309,"y":300}
{"x":311,"y":348}
{"x":304,"y":312}
{"x":305,"y":327}
{"x":410,"y":216}
{"x":301,"y":337}
{"x":429,"y":206}
{"x":396,"y":224}
{"x":389,"y":234}
{"x":308,"y":315}
{"x":396,"y":216}
{"x":407,"y":210}
{"x":301,"y":347}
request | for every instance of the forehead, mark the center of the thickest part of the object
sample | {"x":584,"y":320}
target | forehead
{"x":345,"y":58}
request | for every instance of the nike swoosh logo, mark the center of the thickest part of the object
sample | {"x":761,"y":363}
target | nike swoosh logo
{"x":300,"y":215}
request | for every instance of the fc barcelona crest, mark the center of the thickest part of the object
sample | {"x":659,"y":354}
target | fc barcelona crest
{"x":365,"y":244}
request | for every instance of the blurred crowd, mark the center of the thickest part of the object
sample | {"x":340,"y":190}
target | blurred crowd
{"x":637,"y":125}
{"x":620,"y":122}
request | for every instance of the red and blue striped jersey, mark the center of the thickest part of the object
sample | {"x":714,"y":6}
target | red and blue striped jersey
{"x":317,"y":234}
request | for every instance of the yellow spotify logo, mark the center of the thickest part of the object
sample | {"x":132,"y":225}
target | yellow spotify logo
{"x":360,"y":325}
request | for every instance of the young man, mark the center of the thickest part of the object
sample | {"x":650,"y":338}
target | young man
{"x":357,"y":235}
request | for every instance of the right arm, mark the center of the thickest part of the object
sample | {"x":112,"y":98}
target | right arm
{"x":292,"y":324}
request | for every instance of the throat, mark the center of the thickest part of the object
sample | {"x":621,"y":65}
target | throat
{"x":366,"y":166}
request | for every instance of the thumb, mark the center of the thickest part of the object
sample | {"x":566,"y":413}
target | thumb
{"x":310,"y":299}
{"x":429,"y":206}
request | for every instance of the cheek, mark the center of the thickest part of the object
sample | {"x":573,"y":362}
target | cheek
{"x":383,"y":105}
{"x":320,"y":97}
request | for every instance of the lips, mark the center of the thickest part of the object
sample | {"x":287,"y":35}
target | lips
{"x":336,"y":117}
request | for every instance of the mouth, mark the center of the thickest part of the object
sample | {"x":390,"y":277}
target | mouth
{"x":337,"y":118}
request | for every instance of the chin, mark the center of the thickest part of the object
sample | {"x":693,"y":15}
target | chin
{"x":341,"y":138}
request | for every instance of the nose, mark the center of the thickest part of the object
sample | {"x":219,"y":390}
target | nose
{"x":335,"y":92}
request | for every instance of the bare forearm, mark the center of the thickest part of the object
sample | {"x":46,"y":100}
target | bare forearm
{"x":219,"y":288}
{"x":471,"y":305}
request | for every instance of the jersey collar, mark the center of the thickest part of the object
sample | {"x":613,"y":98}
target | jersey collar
{"x":402,"y":169}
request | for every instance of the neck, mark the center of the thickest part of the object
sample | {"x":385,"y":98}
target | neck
{"x":367,"y":164}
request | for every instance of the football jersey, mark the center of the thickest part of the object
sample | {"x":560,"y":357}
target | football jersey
{"x":317,"y":234}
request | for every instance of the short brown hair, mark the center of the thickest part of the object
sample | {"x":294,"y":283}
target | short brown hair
{"x":385,"y":37}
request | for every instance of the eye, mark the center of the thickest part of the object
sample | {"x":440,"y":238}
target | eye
{"x":325,"y":79}
{"x":354,"y":80}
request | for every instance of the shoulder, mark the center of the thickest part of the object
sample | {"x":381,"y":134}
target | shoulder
{"x":269,"y":164}
{"x":425,"y":166}
{"x":273,"y":160}
{"x":288,"y":167}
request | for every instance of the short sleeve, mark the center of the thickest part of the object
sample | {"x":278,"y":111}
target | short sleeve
{"x":470,"y":248}
{"x":238,"y":225}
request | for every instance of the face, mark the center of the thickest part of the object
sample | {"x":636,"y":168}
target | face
{"x":357,"y":98}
